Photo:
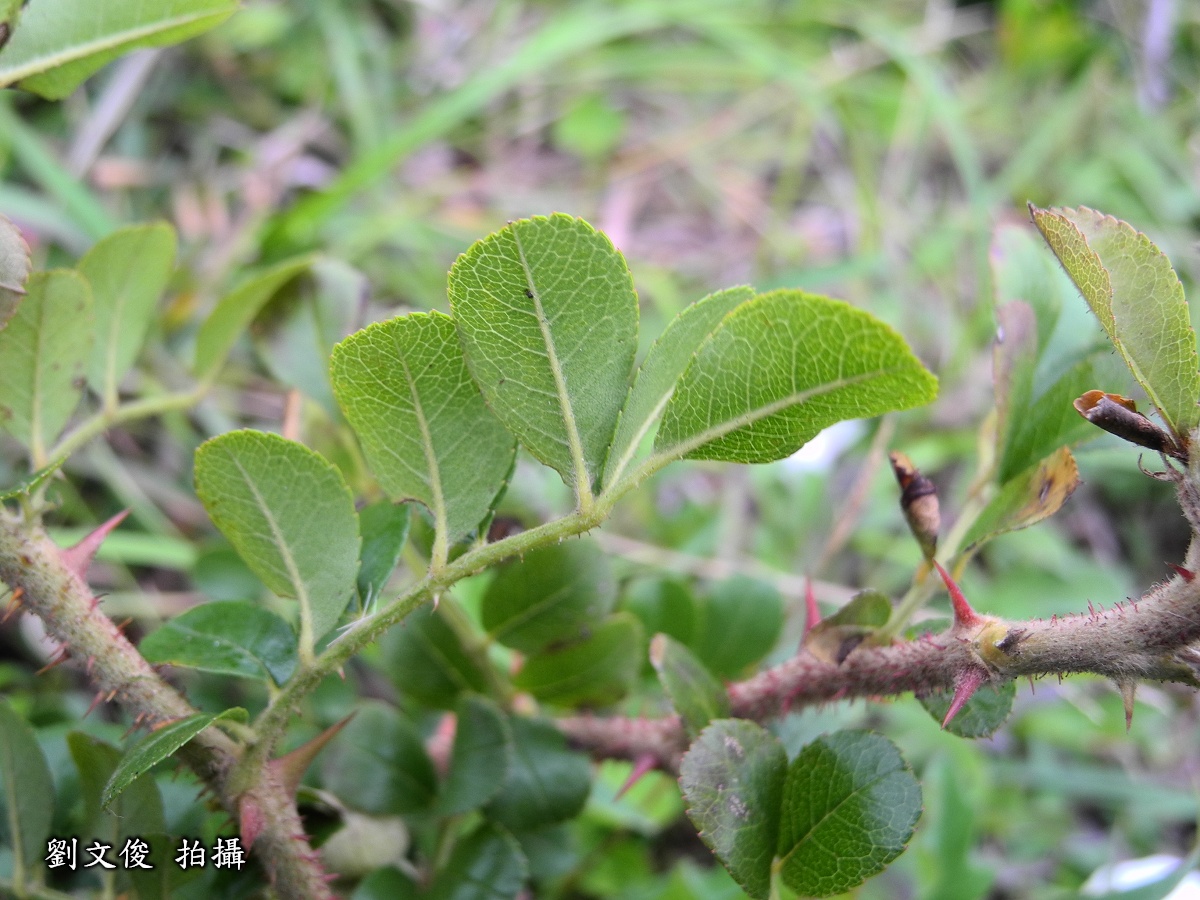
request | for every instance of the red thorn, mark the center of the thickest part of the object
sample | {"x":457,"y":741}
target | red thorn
{"x":1032,"y":689}
{"x":250,"y":820}
{"x":1185,"y":574}
{"x":96,"y":701}
{"x":967,"y":682}
{"x":341,"y":673}
{"x":812,"y":615}
{"x":964,"y":616}
{"x":91,"y":661}
{"x":641,"y":766}
{"x":14,"y":603}
{"x":79,"y":557}
{"x":59,"y":658}
{"x":121,"y":628}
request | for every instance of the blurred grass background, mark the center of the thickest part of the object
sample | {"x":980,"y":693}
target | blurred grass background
{"x":864,"y":150}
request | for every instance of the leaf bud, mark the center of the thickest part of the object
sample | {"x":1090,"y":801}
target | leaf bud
{"x":919,"y":501}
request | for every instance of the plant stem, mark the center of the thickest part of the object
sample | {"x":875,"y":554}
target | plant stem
{"x":96,"y":424}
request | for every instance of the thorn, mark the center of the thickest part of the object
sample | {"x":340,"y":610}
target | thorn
{"x":121,"y":628}
{"x":341,"y":673}
{"x":14,"y":603}
{"x":96,"y":701}
{"x":964,"y":616}
{"x":966,"y":684}
{"x":1185,"y":574}
{"x":79,"y":557}
{"x":1127,"y":688}
{"x":290,"y":767}
{"x":59,"y":658}
{"x":1032,"y":689}
{"x":137,"y":723}
{"x":812,"y":614}
{"x":250,"y":820}
{"x":641,"y":765}
{"x":91,"y":661}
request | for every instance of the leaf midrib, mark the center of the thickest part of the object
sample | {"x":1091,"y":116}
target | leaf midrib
{"x":40,"y":64}
{"x":833,"y":811}
{"x":574,"y":440}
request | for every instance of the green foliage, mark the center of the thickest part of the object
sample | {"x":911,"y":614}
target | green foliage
{"x":228,"y":637}
{"x":732,"y":777}
{"x":596,"y":670}
{"x":27,"y":788}
{"x":124,"y":296}
{"x":547,"y":783}
{"x":981,"y":715}
{"x":45,"y":346}
{"x":379,"y":765}
{"x":849,"y":807}
{"x":153,"y":749}
{"x":548,"y":320}
{"x":1130,"y":286}
{"x":776,"y":372}
{"x":428,"y":662}
{"x":486,"y":865}
{"x":384,"y":526}
{"x":290,"y":516}
{"x":552,"y":595}
{"x":697,"y":696}
{"x":659,"y":373}
{"x":233,"y":315}
{"x":14,"y":269}
{"x":480,"y":759}
{"x":405,"y":389}
{"x":56,"y":46}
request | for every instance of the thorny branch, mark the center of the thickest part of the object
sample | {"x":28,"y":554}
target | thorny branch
{"x":1150,"y":638}
{"x":49,"y":582}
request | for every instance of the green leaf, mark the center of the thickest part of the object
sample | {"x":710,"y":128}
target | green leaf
{"x":27,"y":484}
{"x":779,"y":369}
{"x":849,"y":808}
{"x":378,"y":764}
{"x":43,"y":351}
{"x":486,"y":865}
{"x":834,"y":637}
{"x":386,"y":884}
{"x":57,"y":45}
{"x":548,"y":319}
{"x":27,"y":789}
{"x":986,"y":711}
{"x":153,"y":749}
{"x":424,"y":427}
{"x":740,"y":621}
{"x":658,"y":375}
{"x":1035,"y":494}
{"x":547,"y":782}
{"x":732,"y":777}
{"x":1130,"y":286}
{"x":664,"y":606}
{"x":289,"y":515}
{"x":128,"y":271}
{"x":384,"y":528}
{"x":233,"y":315}
{"x":480,"y":758}
{"x":693,"y":691}
{"x":228,"y":637}
{"x":551,"y":595}
{"x":429,"y":663}
{"x":596,"y":671}
{"x":14,"y":268}
{"x":140,"y":803}
{"x":296,"y":332}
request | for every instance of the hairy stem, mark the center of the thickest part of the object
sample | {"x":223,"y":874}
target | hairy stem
{"x":1148,"y":638}
{"x":31,"y":564}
